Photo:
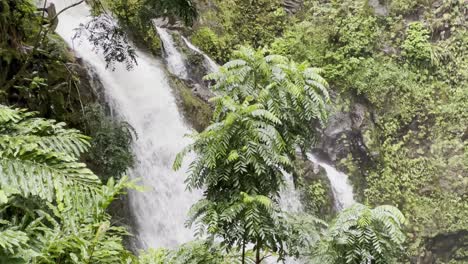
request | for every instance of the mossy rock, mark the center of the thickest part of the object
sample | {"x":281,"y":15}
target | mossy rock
{"x":315,"y":188}
{"x":197,"y":112}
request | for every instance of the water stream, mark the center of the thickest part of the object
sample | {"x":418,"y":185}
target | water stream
{"x":174,"y":59}
{"x":342,"y":190}
{"x":143,"y":98}
{"x":210,"y":64}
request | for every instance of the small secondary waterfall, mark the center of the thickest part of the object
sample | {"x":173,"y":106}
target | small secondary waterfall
{"x":210,"y":64}
{"x":175,"y":60}
{"x":290,"y":197}
{"x":342,"y":190}
{"x":142,"y":97}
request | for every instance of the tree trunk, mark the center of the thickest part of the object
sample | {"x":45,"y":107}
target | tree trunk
{"x":257,"y":255}
{"x":243,"y":252}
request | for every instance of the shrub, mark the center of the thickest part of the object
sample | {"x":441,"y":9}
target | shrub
{"x":416,"y":47}
{"x":110,"y":154}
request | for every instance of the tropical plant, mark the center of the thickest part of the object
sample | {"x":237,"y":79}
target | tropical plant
{"x":39,"y":157}
{"x":294,"y":93}
{"x":266,"y":108}
{"x":196,"y":252}
{"x":241,"y":221}
{"x":184,"y":9}
{"x":111,"y":154}
{"x":416,"y":46}
{"x":52,"y":208}
{"x":361,"y":235}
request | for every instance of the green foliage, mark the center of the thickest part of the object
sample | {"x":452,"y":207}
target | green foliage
{"x":403,"y":6}
{"x":111,"y":153}
{"x":18,"y":25}
{"x":53,"y":209}
{"x":40,"y":158}
{"x":264,"y":110}
{"x":129,"y":13}
{"x":269,"y":103}
{"x":412,"y":76}
{"x":294,"y":93}
{"x":363,"y":235}
{"x":240,"y":22}
{"x":196,"y":252}
{"x":240,"y":220}
{"x":338,"y":45}
{"x":416,"y":46}
{"x":297,"y":43}
{"x":209,"y":42}
{"x":316,"y":197}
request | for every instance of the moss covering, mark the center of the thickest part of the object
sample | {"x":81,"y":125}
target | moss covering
{"x":197,"y":112}
{"x":409,"y":66}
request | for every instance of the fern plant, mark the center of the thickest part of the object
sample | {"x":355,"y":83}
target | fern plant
{"x":360,"y":235}
{"x":39,"y":157}
{"x":52,"y":208}
{"x":195,"y":252}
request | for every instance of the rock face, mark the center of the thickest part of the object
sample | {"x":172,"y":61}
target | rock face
{"x":293,"y":6}
{"x":379,"y":8}
{"x":170,"y":23}
{"x":444,"y":247}
{"x":343,"y":143}
{"x":344,"y":134}
{"x":51,"y":12}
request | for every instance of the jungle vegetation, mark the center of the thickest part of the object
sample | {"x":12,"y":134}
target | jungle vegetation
{"x":284,"y":76}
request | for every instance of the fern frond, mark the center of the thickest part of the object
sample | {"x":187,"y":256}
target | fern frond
{"x":12,"y":240}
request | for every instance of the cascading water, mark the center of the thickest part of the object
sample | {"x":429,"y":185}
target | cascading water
{"x":211,"y":65}
{"x":142,"y":97}
{"x":342,"y":190}
{"x":175,"y":60}
{"x":290,"y":198}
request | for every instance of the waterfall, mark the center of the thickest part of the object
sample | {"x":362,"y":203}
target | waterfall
{"x":290,"y":198}
{"x":142,"y":97}
{"x":342,"y":190}
{"x":175,"y":60}
{"x":210,"y":64}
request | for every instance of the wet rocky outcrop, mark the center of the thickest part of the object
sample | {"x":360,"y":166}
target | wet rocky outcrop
{"x":313,"y":179}
{"x":344,"y":133}
{"x":445,"y":247}
{"x":346,"y":138}
{"x":168,"y":22}
{"x":293,"y":6}
{"x":380,"y":8}
{"x":191,"y":90}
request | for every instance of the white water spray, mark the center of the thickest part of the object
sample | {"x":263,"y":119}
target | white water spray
{"x":342,"y":190}
{"x":175,"y":60}
{"x":211,"y":65}
{"x":143,"y":98}
{"x":290,"y":198}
